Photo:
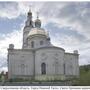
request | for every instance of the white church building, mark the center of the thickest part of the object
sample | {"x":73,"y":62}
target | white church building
{"x":39,"y":59}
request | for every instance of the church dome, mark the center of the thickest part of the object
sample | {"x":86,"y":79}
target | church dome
{"x":29,"y":13}
{"x":38,"y":23}
{"x":38,"y":31}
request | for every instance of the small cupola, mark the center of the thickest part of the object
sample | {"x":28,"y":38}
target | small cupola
{"x":37,"y":22}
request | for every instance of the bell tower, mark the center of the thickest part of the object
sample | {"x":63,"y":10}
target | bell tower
{"x":27,"y":28}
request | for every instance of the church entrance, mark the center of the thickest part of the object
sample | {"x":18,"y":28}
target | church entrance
{"x":43,"y":68}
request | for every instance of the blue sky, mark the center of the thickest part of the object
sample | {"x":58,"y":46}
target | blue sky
{"x":68,"y":24}
{"x":8,"y":25}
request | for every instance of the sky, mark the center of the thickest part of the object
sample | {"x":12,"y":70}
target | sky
{"x":68,"y":24}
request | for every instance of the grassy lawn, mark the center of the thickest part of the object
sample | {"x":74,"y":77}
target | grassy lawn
{"x":84,"y":79}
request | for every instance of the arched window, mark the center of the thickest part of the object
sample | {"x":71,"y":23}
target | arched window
{"x":27,"y":42}
{"x":43,"y":68}
{"x":64,"y":68}
{"x":22,"y":69}
{"x":41,"y":42}
{"x":32,"y":44}
{"x":56,"y":67}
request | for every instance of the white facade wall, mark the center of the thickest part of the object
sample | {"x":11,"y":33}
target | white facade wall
{"x":54,"y":57}
{"x":20,"y":63}
{"x":51,"y":56}
{"x":71,"y":64}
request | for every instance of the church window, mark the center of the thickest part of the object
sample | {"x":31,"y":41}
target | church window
{"x":41,"y":42}
{"x":56,"y":67}
{"x":32,"y":44}
{"x":22,"y":69}
{"x":64,"y":67}
{"x":27,"y":42}
{"x":43,"y":68}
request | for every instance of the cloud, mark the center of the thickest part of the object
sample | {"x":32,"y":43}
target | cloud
{"x":9,"y":10}
{"x":74,"y":15}
{"x":12,"y":10}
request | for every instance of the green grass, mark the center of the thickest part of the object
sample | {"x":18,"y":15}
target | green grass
{"x":84,"y":79}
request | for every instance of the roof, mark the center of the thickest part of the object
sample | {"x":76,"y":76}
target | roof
{"x":35,"y":31}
